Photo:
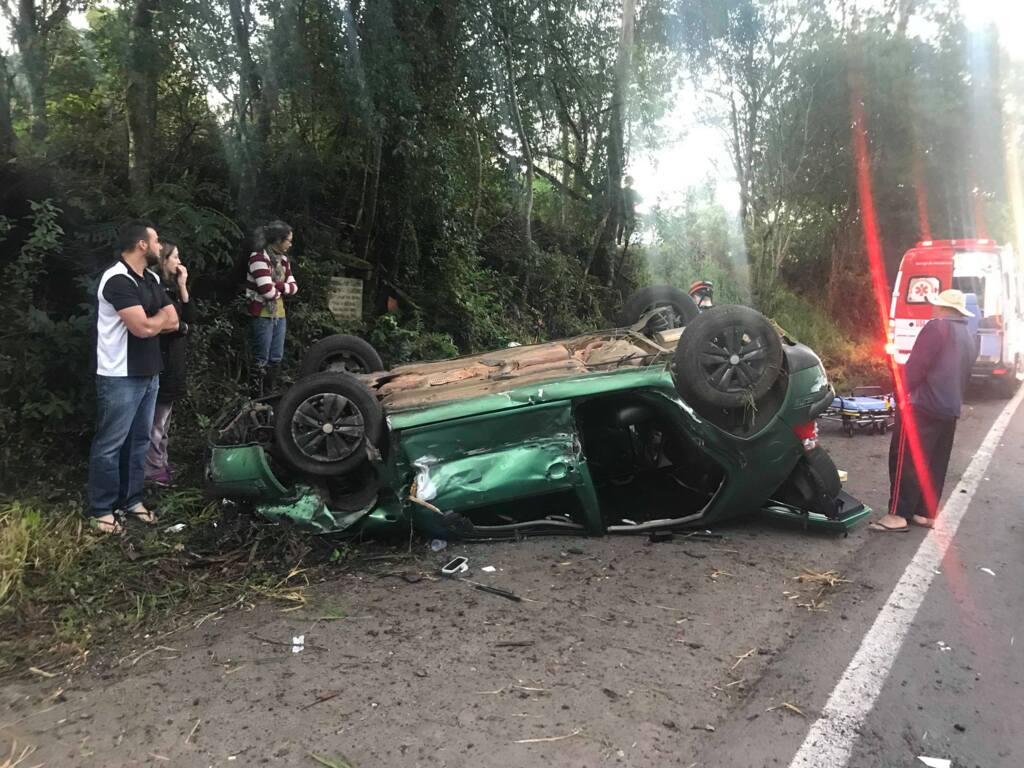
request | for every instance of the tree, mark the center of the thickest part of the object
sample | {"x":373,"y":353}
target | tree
{"x":7,"y":138}
{"x":142,"y":73}
{"x":33,"y":23}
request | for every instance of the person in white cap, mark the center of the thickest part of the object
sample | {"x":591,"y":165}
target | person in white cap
{"x":936,"y":376}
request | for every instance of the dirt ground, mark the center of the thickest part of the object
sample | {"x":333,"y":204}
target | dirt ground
{"x":622,"y":652}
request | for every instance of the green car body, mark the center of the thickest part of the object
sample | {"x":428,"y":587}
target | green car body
{"x":544,"y":457}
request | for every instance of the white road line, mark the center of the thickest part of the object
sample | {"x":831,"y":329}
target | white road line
{"x":831,"y":738}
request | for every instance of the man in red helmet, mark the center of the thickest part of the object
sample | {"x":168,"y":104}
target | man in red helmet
{"x":703,"y":294}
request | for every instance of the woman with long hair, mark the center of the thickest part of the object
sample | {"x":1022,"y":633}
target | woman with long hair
{"x":174,"y":278}
{"x":268,"y":281}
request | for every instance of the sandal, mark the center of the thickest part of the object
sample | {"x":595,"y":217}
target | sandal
{"x":143,"y":515}
{"x":880,"y":526}
{"x":109,"y":527}
{"x":924,"y":522}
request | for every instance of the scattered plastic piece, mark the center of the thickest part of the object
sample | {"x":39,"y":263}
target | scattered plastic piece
{"x":935,"y":762}
{"x":175,"y":528}
{"x":455,"y":567}
{"x":989,"y":571}
{"x":438,"y":544}
{"x":298,"y":643}
{"x":488,"y":569}
{"x":943,"y":647}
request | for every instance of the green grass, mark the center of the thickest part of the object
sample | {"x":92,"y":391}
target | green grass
{"x":65,"y":589}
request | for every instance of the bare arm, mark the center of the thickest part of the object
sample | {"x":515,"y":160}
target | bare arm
{"x":144,"y":327}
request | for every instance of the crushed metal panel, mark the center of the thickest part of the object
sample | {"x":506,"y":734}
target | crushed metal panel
{"x":310,"y":512}
{"x":480,"y":461}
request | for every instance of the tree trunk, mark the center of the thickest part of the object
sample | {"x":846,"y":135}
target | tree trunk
{"x":563,"y":198}
{"x":617,"y":128}
{"x":366,"y":223}
{"x":249,"y":93}
{"x":140,"y":97}
{"x":616,"y":136}
{"x":478,"y":205}
{"x":8,"y":144}
{"x":517,"y":120}
{"x":31,"y":33}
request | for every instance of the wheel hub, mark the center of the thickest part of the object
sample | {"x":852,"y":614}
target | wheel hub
{"x":734,"y":361}
{"x":328,"y":427}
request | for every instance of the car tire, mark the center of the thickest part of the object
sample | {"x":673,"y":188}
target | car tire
{"x":681,"y":309}
{"x":323,"y":423}
{"x":340,"y":353}
{"x":729,"y":357}
{"x":813,"y":485}
{"x":357,"y":489}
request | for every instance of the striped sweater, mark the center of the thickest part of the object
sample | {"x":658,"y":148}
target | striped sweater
{"x":266,"y":286}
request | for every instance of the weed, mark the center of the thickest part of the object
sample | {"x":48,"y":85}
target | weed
{"x":65,"y":589}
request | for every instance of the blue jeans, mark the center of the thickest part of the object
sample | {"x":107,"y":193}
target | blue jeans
{"x":117,"y":461}
{"x":268,"y":340}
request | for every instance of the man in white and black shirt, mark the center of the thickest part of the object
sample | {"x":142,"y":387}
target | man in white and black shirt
{"x":132,"y":311}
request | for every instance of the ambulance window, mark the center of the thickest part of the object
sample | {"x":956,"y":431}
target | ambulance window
{"x":918,"y":289}
{"x":972,"y":284}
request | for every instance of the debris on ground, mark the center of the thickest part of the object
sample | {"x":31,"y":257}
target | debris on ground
{"x":741,"y":659}
{"x":488,"y":569}
{"x":989,"y":571}
{"x":788,"y":707}
{"x":935,"y":762}
{"x":320,"y":700}
{"x":328,"y":763}
{"x":438,"y":544}
{"x":829,"y":578}
{"x":576,"y":732}
{"x":494,"y":591}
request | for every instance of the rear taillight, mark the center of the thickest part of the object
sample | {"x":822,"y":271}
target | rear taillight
{"x":807,"y":434}
{"x":1000,"y":372}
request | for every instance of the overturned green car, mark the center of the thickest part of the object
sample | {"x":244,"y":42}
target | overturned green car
{"x":679,"y":418}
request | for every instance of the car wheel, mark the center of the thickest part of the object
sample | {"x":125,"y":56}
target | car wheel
{"x":813,"y":485}
{"x":323,"y":423}
{"x":341,"y":354}
{"x":677,"y":309}
{"x":729,"y":357}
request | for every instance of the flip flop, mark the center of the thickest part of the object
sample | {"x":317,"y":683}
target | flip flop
{"x":108,"y":528}
{"x":877,"y":526}
{"x":143,"y":515}
{"x":929,"y":522}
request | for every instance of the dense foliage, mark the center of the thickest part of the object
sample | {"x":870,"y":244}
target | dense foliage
{"x":464,"y":157}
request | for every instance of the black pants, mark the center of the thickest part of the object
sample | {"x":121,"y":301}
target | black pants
{"x":906,"y":484}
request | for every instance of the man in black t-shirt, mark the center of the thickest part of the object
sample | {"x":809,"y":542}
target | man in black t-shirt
{"x":132,"y":310}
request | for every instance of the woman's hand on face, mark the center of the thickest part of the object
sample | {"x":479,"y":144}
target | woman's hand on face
{"x":182,"y":275}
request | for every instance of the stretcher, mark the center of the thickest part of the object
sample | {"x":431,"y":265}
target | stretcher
{"x":865,"y":408}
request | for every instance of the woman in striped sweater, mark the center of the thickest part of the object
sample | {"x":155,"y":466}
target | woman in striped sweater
{"x":268,"y":282}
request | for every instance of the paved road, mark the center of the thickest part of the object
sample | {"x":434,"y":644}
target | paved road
{"x":955,"y":690}
{"x":628,"y":654}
